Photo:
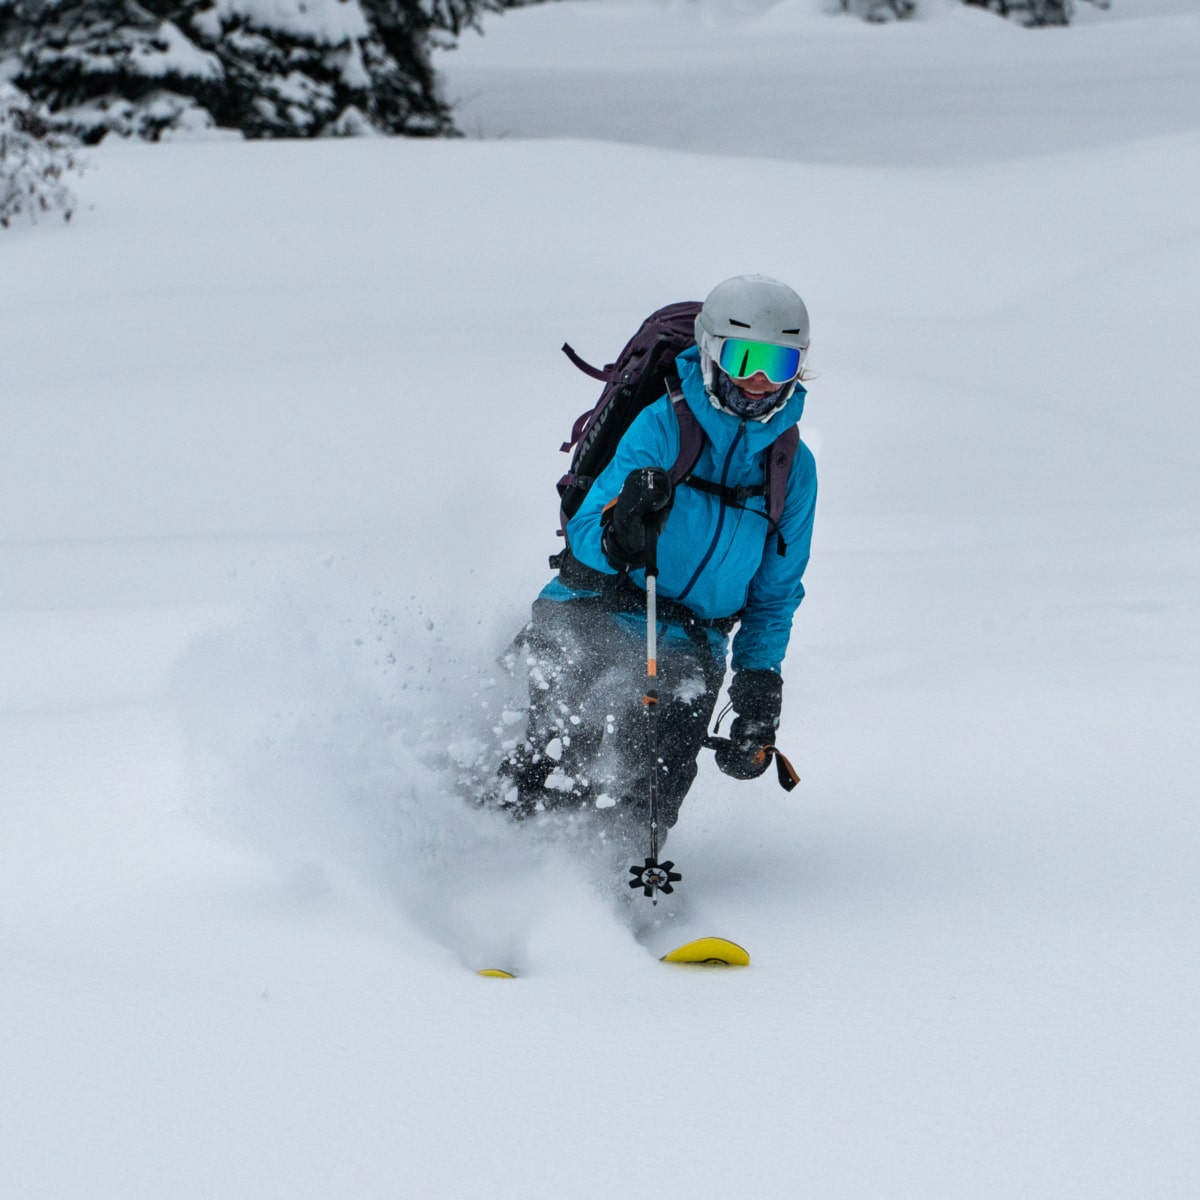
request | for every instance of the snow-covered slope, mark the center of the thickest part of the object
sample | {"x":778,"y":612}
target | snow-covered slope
{"x":785,"y":79}
{"x":276,"y":486}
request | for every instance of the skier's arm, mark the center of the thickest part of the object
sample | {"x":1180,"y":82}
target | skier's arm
{"x":777,"y":588}
{"x":652,"y":440}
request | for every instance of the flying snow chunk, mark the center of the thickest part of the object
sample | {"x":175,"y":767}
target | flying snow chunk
{"x":466,"y":752}
{"x":688,"y":691}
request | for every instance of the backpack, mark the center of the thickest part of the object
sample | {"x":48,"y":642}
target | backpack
{"x":641,"y":374}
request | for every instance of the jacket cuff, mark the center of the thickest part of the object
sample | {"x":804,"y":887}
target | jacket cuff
{"x":757,"y":694}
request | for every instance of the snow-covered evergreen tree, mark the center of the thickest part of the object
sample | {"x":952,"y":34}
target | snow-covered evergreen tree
{"x":270,"y":68}
{"x":1035,"y":12}
{"x":7,"y":24}
{"x":297,"y":67}
{"x":34,"y":158}
{"x":878,"y":11}
{"x":1029,"y":12}
{"x":10,"y":34}
{"x":115,"y":65}
{"x":399,"y":56}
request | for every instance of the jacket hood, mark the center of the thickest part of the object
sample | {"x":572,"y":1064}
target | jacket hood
{"x":722,"y":427}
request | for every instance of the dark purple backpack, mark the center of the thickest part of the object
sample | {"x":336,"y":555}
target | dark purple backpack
{"x":643,"y":372}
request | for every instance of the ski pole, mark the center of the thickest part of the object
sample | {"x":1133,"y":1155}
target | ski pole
{"x":651,"y":697}
{"x":653,"y":876}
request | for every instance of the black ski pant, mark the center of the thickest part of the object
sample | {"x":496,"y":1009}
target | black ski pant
{"x":586,"y":744}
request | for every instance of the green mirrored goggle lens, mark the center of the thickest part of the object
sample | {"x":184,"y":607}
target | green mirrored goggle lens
{"x":741,"y":359}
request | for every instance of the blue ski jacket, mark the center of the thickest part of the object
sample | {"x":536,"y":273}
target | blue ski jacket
{"x":716,"y":559}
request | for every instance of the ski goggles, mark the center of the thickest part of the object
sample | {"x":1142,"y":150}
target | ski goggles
{"x":740,"y":358}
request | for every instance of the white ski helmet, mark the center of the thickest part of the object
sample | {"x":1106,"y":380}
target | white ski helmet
{"x":754,"y":308}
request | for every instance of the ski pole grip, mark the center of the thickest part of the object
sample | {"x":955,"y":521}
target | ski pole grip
{"x":655,"y":504}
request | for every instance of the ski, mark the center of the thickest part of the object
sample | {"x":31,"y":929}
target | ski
{"x":709,"y":952}
{"x":702,"y":952}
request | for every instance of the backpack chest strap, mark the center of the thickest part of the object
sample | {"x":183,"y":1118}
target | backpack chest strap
{"x":777,"y":466}
{"x":727,"y":495}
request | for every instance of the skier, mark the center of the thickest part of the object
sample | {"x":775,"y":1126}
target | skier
{"x":722,"y":565}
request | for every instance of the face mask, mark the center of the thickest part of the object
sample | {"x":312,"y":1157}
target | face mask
{"x":734,"y":400}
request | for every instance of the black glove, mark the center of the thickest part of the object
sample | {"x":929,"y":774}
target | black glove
{"x":757,"y":697}
{"x":637,"y":517}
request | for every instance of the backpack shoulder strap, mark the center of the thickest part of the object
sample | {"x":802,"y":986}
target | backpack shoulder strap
{"x":691,"y":436}
{"x":779,"y":466}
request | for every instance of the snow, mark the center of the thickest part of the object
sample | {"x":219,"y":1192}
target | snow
{"x":276,"y":489}
{"x":331,"y":22}
{"x":179,"y":57}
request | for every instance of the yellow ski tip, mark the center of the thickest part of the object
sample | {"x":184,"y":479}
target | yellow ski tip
{"x":709,"y":952}
{"x":495,"y":973}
